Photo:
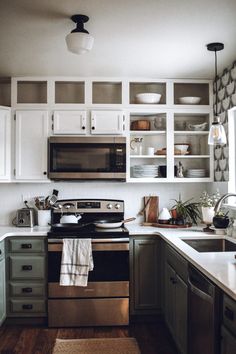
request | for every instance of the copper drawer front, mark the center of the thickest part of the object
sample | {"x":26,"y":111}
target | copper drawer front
{"x":88,"y":312}
{"x":94,"y":289}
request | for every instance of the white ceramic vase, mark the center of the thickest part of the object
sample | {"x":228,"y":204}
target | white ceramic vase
{"x":207,"y":215}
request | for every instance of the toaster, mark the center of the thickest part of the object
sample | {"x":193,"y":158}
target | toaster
{"x":25,"y":217}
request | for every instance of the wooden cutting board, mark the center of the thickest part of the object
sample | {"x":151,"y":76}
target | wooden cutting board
{"x":151,"y":211}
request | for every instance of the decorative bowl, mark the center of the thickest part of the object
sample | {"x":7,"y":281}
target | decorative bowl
{"x":195,"y":127}
{"x":148,"y":98}
{"x":189,"y":100}
{"x":183,"y":148}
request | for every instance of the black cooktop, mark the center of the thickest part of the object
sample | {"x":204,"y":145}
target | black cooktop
{"x":60,"y":231}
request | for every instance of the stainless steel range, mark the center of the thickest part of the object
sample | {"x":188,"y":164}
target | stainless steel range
{"x":105,"y":301}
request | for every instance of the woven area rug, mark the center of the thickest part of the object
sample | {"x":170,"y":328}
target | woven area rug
{"x":96,"y":346}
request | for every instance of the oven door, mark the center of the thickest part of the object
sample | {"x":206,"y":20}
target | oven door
{"x":87,"y":158}
{"x":104,"y":302}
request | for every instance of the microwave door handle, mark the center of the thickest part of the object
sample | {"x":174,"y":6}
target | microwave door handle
{"x":93,"y":122}
{"x":83,"y":121}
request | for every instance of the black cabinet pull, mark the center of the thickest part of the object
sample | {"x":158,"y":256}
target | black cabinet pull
{"x":26,"y":245}
{"x":83,"y":127}
{"x":93,"y":128}
{"x":27,"y":307}
{"x":229,"y":313}
{"x":27,"y":290}
{"x":0,"y":252}
{"x":27,"y":267}
{"x":44,"y":172}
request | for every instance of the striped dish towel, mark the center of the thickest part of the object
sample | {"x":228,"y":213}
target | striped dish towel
{"x":76,"y":262}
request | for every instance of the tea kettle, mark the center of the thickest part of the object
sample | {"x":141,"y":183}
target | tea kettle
{"x":70,"y":219}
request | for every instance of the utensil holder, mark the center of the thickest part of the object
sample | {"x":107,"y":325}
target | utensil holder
{"x":44,"y":217}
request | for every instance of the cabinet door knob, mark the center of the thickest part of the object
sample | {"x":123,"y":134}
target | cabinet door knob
{"x":83,"y":127}
{"x":27,"y":290}
{"x":44,"y":172}
{"x":26,"y":245}
{"x":93,"y":128}
{"x":27,"y":307}
{"x":27,"y":267}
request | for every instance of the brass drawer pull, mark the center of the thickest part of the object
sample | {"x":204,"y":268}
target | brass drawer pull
{"x":27,"y":307}
{"x":26,"y":245}
{"x":27,"y":290}
{"x":27,"y":267}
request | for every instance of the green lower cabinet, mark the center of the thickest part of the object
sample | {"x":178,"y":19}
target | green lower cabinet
{"x":145,"y":282}
{"x":176,"y":298}
{"x":2,"y":284}
{"x":26,"y":277}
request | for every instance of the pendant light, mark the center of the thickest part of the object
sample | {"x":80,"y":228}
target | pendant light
{"x":79,"y":41}
{"x":217,"y":134}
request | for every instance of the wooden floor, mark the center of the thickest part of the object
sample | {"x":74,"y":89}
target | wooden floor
{"x":152,"y":338}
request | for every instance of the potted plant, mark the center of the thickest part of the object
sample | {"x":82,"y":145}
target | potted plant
{"x":221,"y":220}
{"x":207,"y":203}
{"x":187,"y":212}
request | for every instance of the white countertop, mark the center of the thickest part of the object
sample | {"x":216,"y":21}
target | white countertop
{"x":220,"y":267}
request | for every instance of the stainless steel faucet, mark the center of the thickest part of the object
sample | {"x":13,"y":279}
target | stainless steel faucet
{"x":220,"y":201}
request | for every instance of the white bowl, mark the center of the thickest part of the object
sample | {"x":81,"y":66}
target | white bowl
{"x":148,"y":98}
{"x":199,"y":127}
{"x":189,"y":100}
{"x":182,"y":147}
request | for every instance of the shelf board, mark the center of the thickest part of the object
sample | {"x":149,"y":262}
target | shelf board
{"x":191,"y":132}
{"x":147,"y":132}
{"x":191,"y":156}
{"x":147,"y":180}
{"x":147,"y":156}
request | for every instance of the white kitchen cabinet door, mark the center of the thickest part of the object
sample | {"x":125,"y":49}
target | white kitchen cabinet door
{"x":69,"y":122}
{"x":31,"y":145}
{"x":5,"y":144}
{"x":107,"y":122}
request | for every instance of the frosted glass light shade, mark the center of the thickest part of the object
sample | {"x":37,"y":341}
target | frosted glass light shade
{"x":79,"y":42}
{"x":217,"y":134}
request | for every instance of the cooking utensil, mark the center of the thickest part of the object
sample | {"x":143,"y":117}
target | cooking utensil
{"x":145,"y":206}
{"x":53,"y":198}
{"x":111,"y":224}
{"x":70,"y":219}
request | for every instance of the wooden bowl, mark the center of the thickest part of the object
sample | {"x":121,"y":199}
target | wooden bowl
{"x":140,"y":125}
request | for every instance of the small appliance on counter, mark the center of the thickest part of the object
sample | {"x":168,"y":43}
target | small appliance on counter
{"x":25,"y":217}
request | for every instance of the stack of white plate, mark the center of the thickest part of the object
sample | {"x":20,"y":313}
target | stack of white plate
{"x":196,"y":173}
{"x":145,"y":171}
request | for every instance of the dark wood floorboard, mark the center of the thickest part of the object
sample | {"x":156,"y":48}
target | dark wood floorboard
{"x":152,"y":338}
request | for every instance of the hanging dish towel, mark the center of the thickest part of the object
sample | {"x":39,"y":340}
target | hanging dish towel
{"x":76,"y":262}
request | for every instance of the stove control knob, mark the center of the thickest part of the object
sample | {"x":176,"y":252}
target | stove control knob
{"x":109,"y":206}
{"x":117,"y":206}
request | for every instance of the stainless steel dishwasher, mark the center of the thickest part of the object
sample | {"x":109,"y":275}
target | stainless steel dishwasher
{"x":204,"y":314}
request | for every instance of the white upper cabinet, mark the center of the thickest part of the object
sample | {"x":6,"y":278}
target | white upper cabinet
{"x":69,"y":122}
{"x":31,"y":145}
{"x":5,"y":144}
{"x":107,"y":122}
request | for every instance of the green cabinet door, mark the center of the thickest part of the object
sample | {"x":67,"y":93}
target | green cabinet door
{"x":145,"y":275}
{"x":228,"y":342}
{"x":170,"y":298}
{"x":181,"y":294}
{"x":2,"y":285}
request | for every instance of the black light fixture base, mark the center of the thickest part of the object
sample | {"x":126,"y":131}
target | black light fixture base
{"x":215,"y":47}
{"x":79,"y":18}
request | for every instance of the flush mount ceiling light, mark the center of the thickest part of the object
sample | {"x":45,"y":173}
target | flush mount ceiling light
{"x":79,"y":41}
{"x":217,"y":134}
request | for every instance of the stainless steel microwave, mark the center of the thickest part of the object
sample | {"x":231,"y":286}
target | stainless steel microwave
{"x":87,"y":158}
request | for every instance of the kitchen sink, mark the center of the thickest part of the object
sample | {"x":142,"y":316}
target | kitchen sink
{"x":211,"y":245}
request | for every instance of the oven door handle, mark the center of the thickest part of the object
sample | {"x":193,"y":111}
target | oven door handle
{"x":103,"y":246}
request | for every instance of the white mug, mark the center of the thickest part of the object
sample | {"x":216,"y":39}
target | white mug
{"x":150,"y":150}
